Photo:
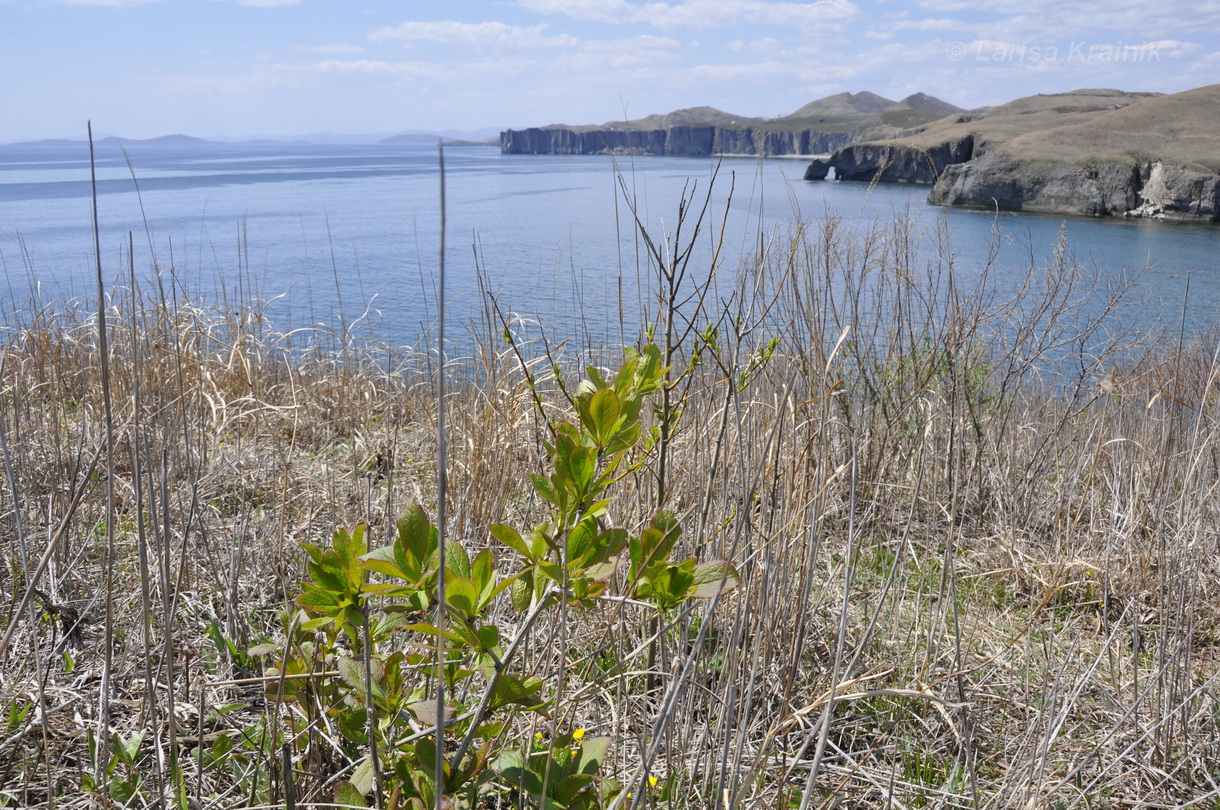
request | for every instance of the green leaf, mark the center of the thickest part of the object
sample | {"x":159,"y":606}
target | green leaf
{"x":457,"y":560}
{"x":574,"y":465}
{"x":266,"y":648}
{"x":424,"y":711}
{"x":483,"y":572}
{"x":604,"y":410}
{"x":363,"y":777}
{"x":425,"y":751}
{"x":513,"y":767}
{"x":513,"y":690}
{"x":566,"y":790}
{"x":349,"y":546}
{"x":582,"y":464}
{"x":432,"y":630}
{"x":329,"y":572}
{"x":600,"y":572}
{"x":544,"y":487}
{"x":384,"y":561}
{"x":489,"y":636}
{"x":461,"y":595}
{"x":521,"y":591}
{"x":592,"y":752}
{"x":681,"y":584}
{"x":596,"y":377}
{"x":416,"y":538}
{"x":317,"y":600}
{"x":580,"y":543}
{"x":349,"y":795}
{"x":351,"y":670}
{"x":550,"y":570}
{"x":511,"y":538}
{"x":714,"y":578}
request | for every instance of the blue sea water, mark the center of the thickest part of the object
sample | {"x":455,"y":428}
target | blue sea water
{"x":348,"y":235}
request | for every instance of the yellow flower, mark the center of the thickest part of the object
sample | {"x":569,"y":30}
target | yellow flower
{"x":578,"y":734}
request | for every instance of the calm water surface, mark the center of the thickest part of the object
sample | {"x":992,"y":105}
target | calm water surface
{"x":349,"y":234}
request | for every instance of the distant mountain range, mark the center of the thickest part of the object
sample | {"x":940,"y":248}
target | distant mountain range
{"x":483,"y":136}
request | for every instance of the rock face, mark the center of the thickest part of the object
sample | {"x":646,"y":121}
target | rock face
{"x":1153,"y":189}
{"x":960,"y":174}
{"x":592,"y":142}
{"x":895,"y":163}
{"x":689,"y":141}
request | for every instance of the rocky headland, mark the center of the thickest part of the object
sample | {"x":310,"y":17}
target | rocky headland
{"x":820,"y":127}
{"x":1088,"y":152}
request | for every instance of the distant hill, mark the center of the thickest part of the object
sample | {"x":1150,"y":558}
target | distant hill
{"x":865,"y":103}
{"x":164,"y":140}
{"x":429,"y":138}
{"x":1183,"y":128}
{"x":1005,"y":122}
{"x":922,"y":102}
{"x":412,"y":137}
{"x":47,"y":142}
{"x":690,"y":116}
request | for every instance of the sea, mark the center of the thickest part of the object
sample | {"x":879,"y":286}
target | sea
{"x":343,"y":242}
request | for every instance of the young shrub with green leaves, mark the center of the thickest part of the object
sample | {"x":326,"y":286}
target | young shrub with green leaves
{"x":362,"y":656}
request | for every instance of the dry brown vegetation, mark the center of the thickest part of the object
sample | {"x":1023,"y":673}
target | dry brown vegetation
{"x":977,"y":537}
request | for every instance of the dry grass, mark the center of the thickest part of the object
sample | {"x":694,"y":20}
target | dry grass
{"x":1093,"y":126}
{"x":977,"y":537}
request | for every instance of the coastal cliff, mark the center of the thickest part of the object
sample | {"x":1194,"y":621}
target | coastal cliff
{"x":1089,"y":153}
{"x":817,"y":128}
{"x":893,"y":163}
{"x":536,"y":141}
{"x":1152,"y":189}
{"x":687,"y":141}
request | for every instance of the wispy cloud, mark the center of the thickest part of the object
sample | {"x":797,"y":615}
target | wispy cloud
{"x":336,"y":48}
{"x":703,"y":13}
{"x":474,"y":35}
{"x":265,"y":3}
{"x":111,"y":3}
{"x":575,"y":54}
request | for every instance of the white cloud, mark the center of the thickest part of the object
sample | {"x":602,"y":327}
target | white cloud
{"x":766,"y":45}
{"x":365,"y":67}
{"x":931,"y":24}
{"x":599,"y":55}
{"x":704,"y":13}
{"x":111,"y":3}
{"x":337,"y":48}
{"x":615,"y":11}
{"x":267,"y":3}
{"x":574,"y":54}
{"x":475,"y":35}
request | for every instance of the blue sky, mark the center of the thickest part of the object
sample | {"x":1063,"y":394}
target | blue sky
{"x":142,"y":68}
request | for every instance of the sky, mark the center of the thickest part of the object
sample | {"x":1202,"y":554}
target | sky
{"x":234,"y":68}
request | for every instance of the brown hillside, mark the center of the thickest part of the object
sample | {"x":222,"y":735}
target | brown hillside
{"x":1183,"y":128}
{"x":1026,"y":115}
